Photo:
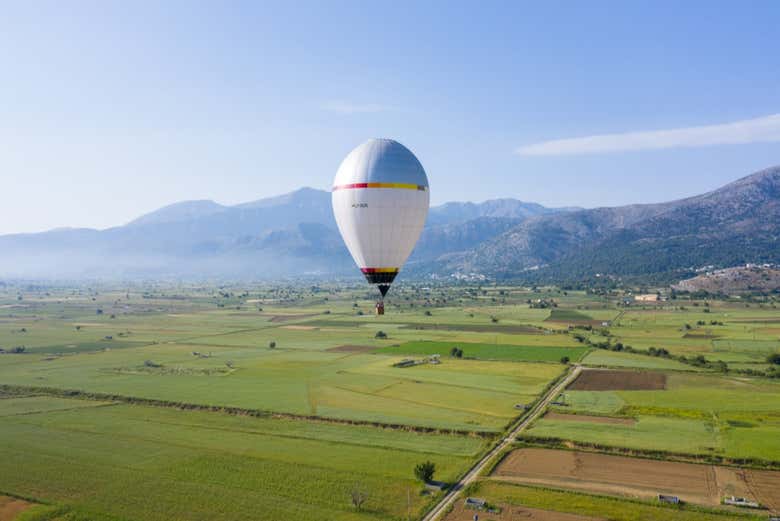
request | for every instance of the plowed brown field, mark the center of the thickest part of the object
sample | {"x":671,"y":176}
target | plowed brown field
{"x":765,"y":487}
{"x":589,"y":419}
{"x":598,"y":380}
{"x":635,"y":477}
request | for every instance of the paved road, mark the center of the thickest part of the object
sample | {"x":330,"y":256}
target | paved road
{"x":472,"y":474}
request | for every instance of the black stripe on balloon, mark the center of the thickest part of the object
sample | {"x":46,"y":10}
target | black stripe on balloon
{"x":381,"y":277}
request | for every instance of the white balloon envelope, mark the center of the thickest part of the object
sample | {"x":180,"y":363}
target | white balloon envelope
{"x":380,"y":202}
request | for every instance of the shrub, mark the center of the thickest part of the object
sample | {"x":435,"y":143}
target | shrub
{"x":272,"y":344}
{"x":774,"y":358}
{"x":565,"y":360}
{"x":425,"y":471}
{"x":380,"y":334}
{"x":358,"y":496}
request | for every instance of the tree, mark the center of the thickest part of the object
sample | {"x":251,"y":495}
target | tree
{"x":380,"y":334}
{"x":774,"y":358}
{"x":271,"y":344}
{"x":564,"y":359}
{"x":358,"y":496}
{"x":424,"y":471}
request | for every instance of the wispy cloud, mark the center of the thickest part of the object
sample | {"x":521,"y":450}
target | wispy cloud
{"x":763,"y":129}
{"x":345,"y":107}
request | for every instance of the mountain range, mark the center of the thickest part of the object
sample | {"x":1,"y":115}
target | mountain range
{"x":295,"y":234}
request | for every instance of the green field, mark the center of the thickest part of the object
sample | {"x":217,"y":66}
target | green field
{"x":137,"y":462}
{"x":487,"y":351}
{"x":602,"y":357}
{"x":457,"y":394}
{"x":735,"y":417}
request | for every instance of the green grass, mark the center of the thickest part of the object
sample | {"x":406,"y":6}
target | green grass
{"x":603,"y":357}
{"x":735,"y":417}
{"x":38,"y":404}
{"x":568,"y":315}
{"x":486,"y":351}
{"x":137,"y":462}
{"x":600,"y":402}
{"x":463,"y":395}
{"x":650,"y":432}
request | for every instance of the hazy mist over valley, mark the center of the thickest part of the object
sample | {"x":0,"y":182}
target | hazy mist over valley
{"x":294,"y":235}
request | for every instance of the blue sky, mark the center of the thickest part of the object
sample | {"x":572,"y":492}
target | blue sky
{"x":112,"y":109}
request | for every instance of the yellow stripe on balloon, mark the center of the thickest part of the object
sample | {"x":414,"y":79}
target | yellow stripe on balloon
{"x":403,"y":186}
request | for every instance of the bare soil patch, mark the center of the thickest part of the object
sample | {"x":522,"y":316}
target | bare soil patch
{"x":597,"y":380}
{"x":765,"y":487}
{"x":589,"y":419}
{"x":631,"y":477}
{"x":514,"y":513}
{"x":286,"y":318}
{"x":10,"y":507}
{"x":350,"y":349}
{"x":299,"y":328}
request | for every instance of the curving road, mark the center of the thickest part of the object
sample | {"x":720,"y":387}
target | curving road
{"x":474,"y":472}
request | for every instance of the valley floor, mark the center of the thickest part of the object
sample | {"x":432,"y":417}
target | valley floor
{"x":286,"y":402}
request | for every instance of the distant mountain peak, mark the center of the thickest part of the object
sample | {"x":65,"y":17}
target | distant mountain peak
{"x":182,"y":211}
{"x":301,"y":195}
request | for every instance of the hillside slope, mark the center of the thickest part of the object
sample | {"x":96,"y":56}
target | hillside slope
{"x":733,"y":225}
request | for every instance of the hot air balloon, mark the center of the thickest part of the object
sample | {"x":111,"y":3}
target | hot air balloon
{"x":380,"y":201}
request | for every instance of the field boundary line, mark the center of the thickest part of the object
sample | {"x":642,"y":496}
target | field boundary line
{"x":236,"y":411}
{"x":549,"y":442}
{"x":443,"y":384}
{"x":484,"y":463}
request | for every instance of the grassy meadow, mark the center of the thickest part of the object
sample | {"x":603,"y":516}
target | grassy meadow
{"x":135,"y":462}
